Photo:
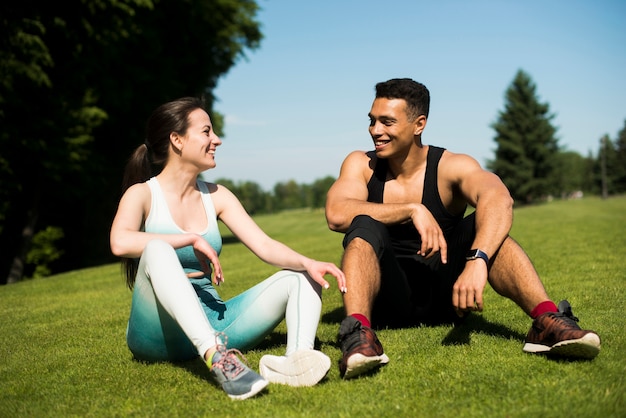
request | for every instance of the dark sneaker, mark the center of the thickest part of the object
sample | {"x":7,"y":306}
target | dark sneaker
{"x":557,"y":333}
{"x":360,"y":347}
{"x":237,"y":379}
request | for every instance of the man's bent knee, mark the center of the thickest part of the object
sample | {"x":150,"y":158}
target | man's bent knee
{"x":369,"y":230}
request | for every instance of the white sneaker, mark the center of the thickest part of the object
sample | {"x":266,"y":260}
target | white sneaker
{"x":301,"y":368}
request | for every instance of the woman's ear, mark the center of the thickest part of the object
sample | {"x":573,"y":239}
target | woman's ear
{"x":176,"y":141}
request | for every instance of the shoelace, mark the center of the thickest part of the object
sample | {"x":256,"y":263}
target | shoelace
{"x":565,"y":309}
{"x":228,"y":362}
{"x":348,"y":338}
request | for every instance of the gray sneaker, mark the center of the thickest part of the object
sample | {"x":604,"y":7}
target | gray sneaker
{"x":237,"y":379}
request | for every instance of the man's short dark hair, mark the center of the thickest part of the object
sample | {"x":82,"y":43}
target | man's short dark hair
{"x":415,"y":94}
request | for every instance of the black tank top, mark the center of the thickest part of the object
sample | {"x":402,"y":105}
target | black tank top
{"x":404,"y":236}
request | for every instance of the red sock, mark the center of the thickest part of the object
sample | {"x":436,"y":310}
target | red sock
{"x":361,"y":318}
{"x":543,"y":307}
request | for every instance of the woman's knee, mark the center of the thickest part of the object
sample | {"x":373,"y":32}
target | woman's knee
{"x":158,"y":250}
{"x":296,"y":280}
{"x":157,"y":245}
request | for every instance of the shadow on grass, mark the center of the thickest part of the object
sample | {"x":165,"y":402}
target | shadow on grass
{"x":461,"y":333}
{"x":199,"y":368}
{"x":196,"y":367}
{"x":278,"y":341}
{"x":334,"y":317}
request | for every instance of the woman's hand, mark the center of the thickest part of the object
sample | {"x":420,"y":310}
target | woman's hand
{"x":206,"y":255}
{"x":318,"y":269}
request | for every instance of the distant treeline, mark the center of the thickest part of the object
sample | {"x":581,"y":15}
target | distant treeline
{"x":284,"y":195}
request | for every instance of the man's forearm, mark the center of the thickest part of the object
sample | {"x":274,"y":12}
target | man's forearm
{"x":340,"y":215}
{"x":494,"y":218}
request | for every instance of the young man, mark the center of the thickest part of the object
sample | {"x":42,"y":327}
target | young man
{"x":411,"y":257}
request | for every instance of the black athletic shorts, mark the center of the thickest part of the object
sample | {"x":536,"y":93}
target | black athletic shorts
{"x":414,"y":290}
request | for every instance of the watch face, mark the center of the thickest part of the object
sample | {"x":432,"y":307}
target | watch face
{"x":475,"y":253}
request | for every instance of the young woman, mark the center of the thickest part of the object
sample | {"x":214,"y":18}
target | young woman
{"x":165,"y":229}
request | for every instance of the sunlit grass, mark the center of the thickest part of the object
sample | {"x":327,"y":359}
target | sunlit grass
{"x":63,"y":353}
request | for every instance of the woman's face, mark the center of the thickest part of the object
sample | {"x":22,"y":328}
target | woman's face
{"x":200,"y":141}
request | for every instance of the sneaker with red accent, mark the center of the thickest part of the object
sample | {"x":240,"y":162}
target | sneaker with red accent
{"x":361,"y":349}
{"x":558,"y":334}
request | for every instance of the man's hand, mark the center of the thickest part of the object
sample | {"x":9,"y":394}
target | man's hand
{"x":467,"y":293}
{"x":431,"y":234}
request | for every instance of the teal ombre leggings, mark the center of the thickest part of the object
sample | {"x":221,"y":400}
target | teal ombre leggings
{"x":175,"y":318}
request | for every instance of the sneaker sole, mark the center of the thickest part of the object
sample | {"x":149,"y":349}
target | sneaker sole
{"x":586,"y":347}
{"x":358,"y":364}
{"x":301,"y":368}
{"x":255,"y":389}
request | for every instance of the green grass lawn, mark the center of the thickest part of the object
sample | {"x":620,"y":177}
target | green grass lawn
{"x":63,"y":352}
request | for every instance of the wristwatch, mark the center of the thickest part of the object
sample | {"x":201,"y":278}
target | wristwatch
{"x":475,"y":253}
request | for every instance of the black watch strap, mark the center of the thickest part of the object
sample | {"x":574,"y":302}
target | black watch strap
{"x":475,"y":253}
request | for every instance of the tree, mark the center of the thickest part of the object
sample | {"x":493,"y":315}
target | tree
{"x":84,"y":78}
{"x":526,"y":143}
{"x":47,"y":120}
{"x":252,"y":197}
{"x":619,"y":169}
{"x":289,"y":195}
{"x":590,"y":179}
{"x":570,"y":172}
{"x":320,"y":189}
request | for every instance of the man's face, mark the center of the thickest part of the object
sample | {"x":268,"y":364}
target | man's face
{"x":390,"y":128}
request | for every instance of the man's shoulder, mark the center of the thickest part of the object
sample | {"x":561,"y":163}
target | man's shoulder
{"x":362,"y":158}
{"x":448,"y":156}
{"x":361,"y":154}
{"x":358,"y":165}
{"x":458,"y":166}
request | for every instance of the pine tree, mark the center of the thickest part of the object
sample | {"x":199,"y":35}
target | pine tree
{"x":527,"y":145}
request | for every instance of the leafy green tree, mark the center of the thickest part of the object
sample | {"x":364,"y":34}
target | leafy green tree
{"x":76,"y":86}
{"x":319,"y":189}
{"x":44,"y":251}
{"x":608,"y":167}
{"x":289,"y":195}
{"x":48,"y":120}
{"x":619,"y":169}
{"x":526,"y":143}
{"x":569,"y":172}
{"x":252,"y":197}
{"x":286,"y":195}
{"x":590,"y":178}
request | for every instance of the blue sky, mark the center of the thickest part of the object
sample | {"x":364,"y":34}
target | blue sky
{"x":298,"y":105}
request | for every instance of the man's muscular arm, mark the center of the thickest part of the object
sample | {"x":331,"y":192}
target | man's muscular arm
{"x":494,"y":217}
{"x":491,"y":198}
{"x":347,"y":198}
